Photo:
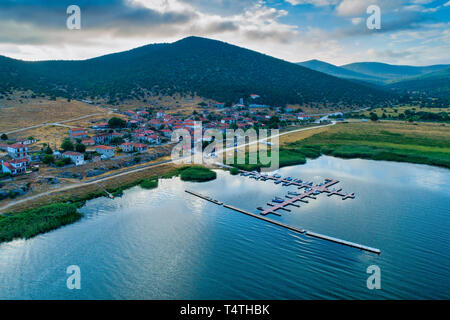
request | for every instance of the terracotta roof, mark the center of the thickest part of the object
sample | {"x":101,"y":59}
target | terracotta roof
{"x":71,"y":153}
{"x":104,"y":148}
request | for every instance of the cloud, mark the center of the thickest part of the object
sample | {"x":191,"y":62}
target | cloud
{"x":317,"y":3}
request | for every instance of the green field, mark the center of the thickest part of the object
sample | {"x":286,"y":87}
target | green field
{"x":393,"y":141}
{"x":423,"y":143}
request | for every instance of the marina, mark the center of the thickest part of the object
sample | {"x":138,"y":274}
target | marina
{"x":280,"y":224}
{"x":310,"y":191}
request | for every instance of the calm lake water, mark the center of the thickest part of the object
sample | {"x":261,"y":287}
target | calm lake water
{"x":167,"y":244}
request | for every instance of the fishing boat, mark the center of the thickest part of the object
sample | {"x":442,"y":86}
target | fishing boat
{"x":277,"y":200}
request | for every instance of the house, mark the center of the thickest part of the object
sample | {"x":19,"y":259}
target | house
{"x":228,"y":120}
{"x":28,"y":141}
{"x":88,"y":142}
{"x":18,"y":151}
{"x":155,"y":123}
{"x":105,"y":151}
{"x":15,"y":167}
{"x":77,"y":133}
{"x":303,"y":117}
{"x":76,"y":157}
{"x":99,"y":126}
{"x":152,"y":139}
{"x":103,"y":138}
{"x":139,"y":147}
{"x":166,"y":133}
{"x":160,"y":115}
{"x":127,"y":147}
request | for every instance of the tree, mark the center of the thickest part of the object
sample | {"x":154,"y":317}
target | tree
{"x":373,"y":116}
{"x":67,"y":145}
{"x":4,"y":136}
{"x":115,"y":122}
{"x":48,"y":150}
{"x":48,"y":158}
{"x":79,"y":147}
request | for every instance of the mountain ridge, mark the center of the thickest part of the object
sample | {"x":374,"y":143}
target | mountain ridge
{"x":209,"y":68}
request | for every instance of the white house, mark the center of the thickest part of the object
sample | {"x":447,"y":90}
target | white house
{"x":18,"y":151}
{"x":127,"y":147}
{"x":105,"y":151}
{"x":76,"y":157}
{"x":139,"y":147}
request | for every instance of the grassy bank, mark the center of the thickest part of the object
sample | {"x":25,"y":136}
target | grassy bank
{"x":390,"y":141}
{"x":29,"y":223}
{"x":423,"y":143}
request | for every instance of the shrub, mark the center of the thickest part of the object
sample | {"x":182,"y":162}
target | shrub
{"x":197,"y":174}
{"x":149,"y":184}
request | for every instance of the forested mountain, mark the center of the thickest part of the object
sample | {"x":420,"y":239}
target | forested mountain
{"x":435,"y":83}
{"x":391,"y":72}
{"x":210,"y":68}
{"x":339,"y":72}
{"x":428,"y":81}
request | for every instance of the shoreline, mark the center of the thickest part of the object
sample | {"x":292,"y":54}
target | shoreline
{"x":63,"y":202}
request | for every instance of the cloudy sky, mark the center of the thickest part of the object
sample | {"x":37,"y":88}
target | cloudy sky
{"x":412,"y":32}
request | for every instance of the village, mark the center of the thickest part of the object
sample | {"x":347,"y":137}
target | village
{"x":128,"y":138}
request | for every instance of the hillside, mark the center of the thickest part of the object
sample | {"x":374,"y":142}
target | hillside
{"x":389,"y":71}
{"x":434,"y":83}
{"x":339,"y":72}
{"x":210,"y":68}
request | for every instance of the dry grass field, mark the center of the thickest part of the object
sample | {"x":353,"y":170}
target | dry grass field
{"x":33,"y":112}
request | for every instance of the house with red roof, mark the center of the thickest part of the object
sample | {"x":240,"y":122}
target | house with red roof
{"x":77,"y":133}
{"x":18,"y":151}
{"x":166,"y":132}
{"x":88,"y":142}
{"x":105,"y":151}
{"x":75,"y":157}
{"x":16,"y":166}
{"x":103,"y":138}
{"x":127,"y":147}
{"x":139,"y":147}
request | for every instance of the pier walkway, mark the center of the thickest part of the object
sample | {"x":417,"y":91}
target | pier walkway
{"x":294,"y":229}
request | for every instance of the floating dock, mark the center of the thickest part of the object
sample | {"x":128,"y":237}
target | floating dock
{"x":310,"y":191}
{"x":294,"y":229}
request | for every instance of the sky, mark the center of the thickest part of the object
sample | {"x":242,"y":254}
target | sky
{"x":412,"y":32}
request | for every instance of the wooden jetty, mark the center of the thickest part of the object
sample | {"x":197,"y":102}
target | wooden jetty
{"x":204,"y":197}
{"x":294,"y":229}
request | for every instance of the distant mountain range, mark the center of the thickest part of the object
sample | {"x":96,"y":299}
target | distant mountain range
{"x":209,"y":68}
{"x":433,"y":80}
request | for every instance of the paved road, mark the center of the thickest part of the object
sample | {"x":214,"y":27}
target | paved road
{"x":144,"y":167}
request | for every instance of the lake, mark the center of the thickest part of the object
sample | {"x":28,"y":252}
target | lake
{"x":167,"y":244}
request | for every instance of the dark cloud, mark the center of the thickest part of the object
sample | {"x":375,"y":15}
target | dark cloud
{"x":36,"y":16}
{"x":389,"y":23}
{"x":222,"y":7}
